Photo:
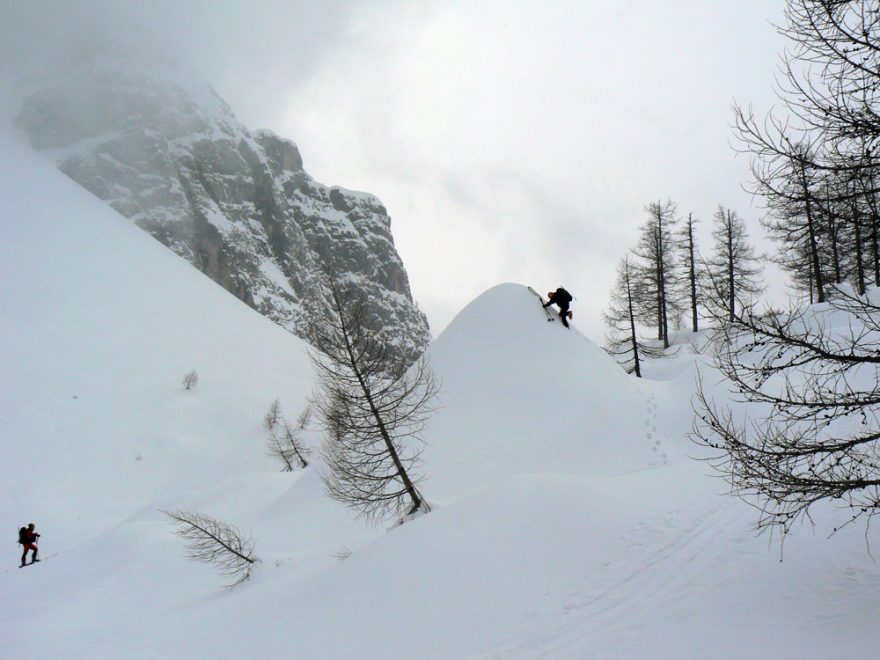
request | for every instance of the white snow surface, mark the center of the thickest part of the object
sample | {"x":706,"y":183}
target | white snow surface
{"x":570,"y":519}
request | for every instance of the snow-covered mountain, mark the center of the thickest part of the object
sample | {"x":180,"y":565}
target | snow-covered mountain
{"x":169,"y":154}
{"x":569,"y":518}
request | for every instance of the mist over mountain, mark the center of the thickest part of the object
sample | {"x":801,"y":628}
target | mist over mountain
{"x":165,"y":151}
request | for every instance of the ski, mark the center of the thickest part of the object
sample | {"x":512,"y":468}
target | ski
{"x":41,"y":559}
{"x":547,"y":311}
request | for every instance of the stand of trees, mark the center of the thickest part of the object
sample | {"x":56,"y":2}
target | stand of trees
{"x":815,"y":164}
{"x":810,"y":376}
{"x":665,"y":278}
{"x":284,"y":442}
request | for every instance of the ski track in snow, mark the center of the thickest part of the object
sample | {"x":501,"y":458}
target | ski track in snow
{"x":629,"y":588}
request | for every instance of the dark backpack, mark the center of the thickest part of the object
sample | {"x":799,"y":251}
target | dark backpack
{"x":562,"y":296}
{"x":22,"y":535}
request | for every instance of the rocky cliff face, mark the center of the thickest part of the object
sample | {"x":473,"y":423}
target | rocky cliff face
{"x":237,"y":204}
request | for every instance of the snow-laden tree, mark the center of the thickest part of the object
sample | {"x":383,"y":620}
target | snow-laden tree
{"x":372,"y":406}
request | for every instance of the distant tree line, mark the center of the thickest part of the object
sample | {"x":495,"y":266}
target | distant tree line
{"x":816,"y":169}
{"x":665,"y":279}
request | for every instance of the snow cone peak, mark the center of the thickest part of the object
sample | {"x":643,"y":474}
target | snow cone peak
{"x":526,"y":392}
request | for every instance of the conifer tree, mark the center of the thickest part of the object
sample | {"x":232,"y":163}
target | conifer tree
{"x":372,"y":406}
{"x":622,"y":340}
{"x":732,"y":272}
{"x":808,"y":427}
{"x":687,"y":243}
{"x":656,"y":270}
{"x":213,"y":541}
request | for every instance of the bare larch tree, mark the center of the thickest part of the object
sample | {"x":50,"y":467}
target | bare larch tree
{"x":622,"y":340}
{"x":272,"y":416}
{"x":285,"y":443}
{"x":657,"y":270}
{"x":687,"y":245}
{"x":190,"y":380}
{"x":811,"y":383}
{"x":732,"y":272}
{"x":809,"y":376}
{"x":215,"y":542}
{"x":372,"y":407}
{"x":814,"y":160}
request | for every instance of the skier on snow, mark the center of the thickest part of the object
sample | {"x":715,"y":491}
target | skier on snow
{"x":27,"y":537}
{"x":562,"y":298}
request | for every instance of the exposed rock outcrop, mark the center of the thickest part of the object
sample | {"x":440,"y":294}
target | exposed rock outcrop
{"x":237,"y":204}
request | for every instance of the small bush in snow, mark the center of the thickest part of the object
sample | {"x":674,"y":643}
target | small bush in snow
{"x":270,"y":421}
{"x":190,"y":380}
{"x":286,"y":446}
{"x":284,"y":442}
{"x":305,"y":417}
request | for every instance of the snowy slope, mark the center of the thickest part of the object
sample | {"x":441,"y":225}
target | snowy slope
{"x":569,"y":520}
{"x":100,"y":325}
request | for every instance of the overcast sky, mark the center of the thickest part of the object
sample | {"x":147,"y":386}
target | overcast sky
{"x":509,"y":140}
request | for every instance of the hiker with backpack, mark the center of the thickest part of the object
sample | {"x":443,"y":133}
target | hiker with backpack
{"x":562,"y":299}
{"x":27,"y":537}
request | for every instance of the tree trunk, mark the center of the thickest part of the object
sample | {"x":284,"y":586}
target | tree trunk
{"x":875,"y":239}
{"x":692,"y":274}
{"x":661,"y":265}
{"x":814,"y":246}
{"x":401,"y":473}
{"x":731,"y":280}
{"x":860,"y":252}
{"x":632,"y":328}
